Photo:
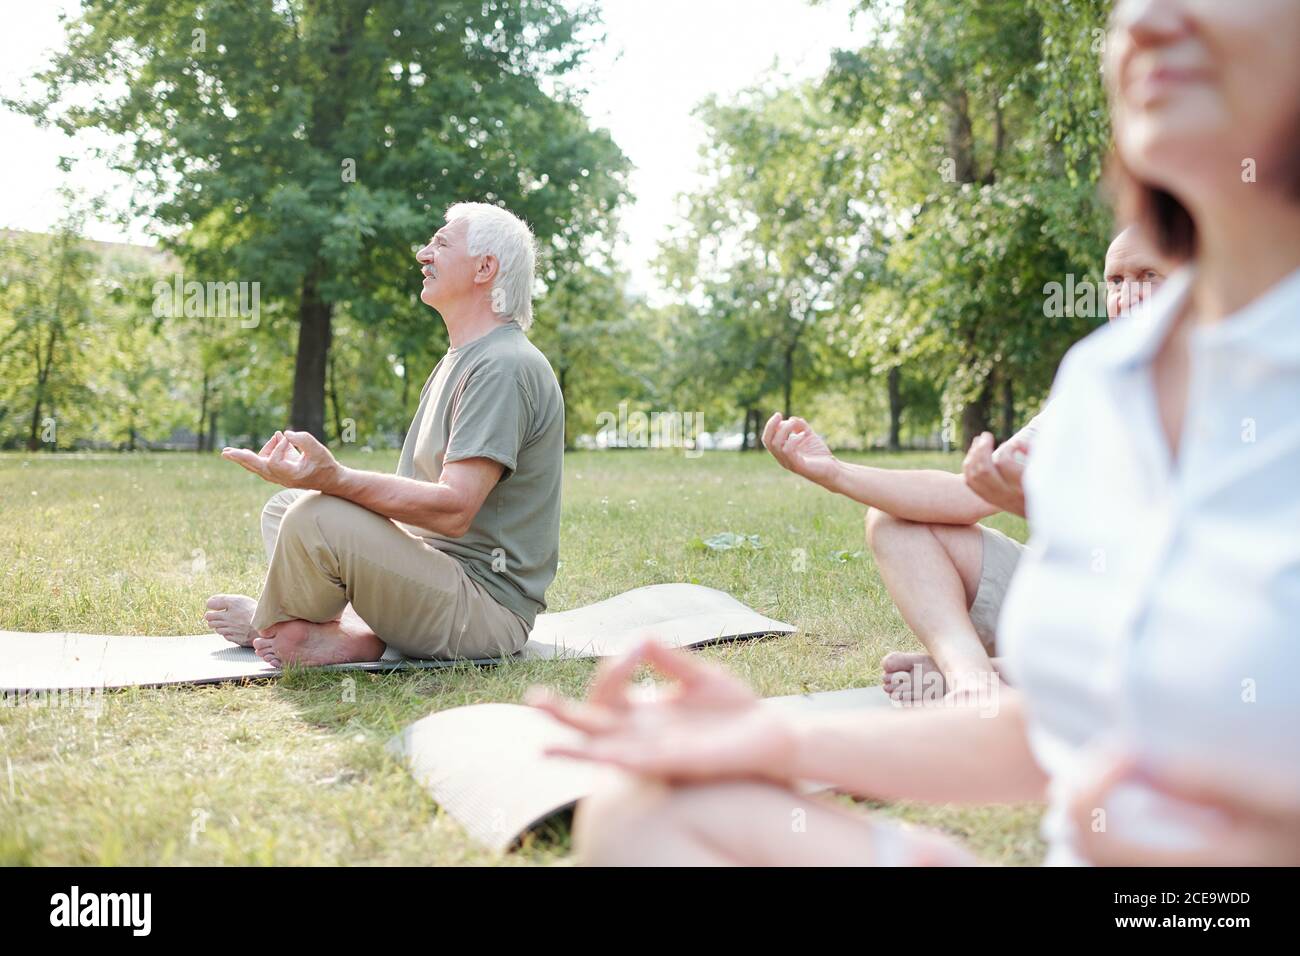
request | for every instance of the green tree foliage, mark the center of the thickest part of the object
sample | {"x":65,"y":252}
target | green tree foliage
{"x":893,"y":227}
{"x":869,"y":249}
{"x":82,"y":359}
{"x":986,"y":191}
{"x":755,"y":266}
{"x":46,"y":284}
{"x":308,"y":144}
{"x":599,"y":341}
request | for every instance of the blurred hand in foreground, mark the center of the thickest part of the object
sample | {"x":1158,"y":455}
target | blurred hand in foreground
{"x":709,"y":725}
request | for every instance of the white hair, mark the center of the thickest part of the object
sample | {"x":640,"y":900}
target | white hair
{"x":498,"y":232}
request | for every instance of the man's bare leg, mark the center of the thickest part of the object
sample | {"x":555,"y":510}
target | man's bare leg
{"x":932,"y":572}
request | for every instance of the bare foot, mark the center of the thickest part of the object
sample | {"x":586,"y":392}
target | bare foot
{"x":911,"y":676}
{"x":916,"y":677}
{"x":346,"y":641}
{"x":231,"y":615}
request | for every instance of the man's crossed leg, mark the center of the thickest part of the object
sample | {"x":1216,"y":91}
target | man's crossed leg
{"x":948,"y":582}
{"x":344,"y":582}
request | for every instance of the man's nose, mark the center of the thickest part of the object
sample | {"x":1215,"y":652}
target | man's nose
{"x":424,"y":256}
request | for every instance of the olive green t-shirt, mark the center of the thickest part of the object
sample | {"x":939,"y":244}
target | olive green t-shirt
{"x":496,"y":397}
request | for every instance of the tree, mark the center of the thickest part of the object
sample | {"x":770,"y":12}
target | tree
{"x":306,"y":145}
{"x":45,"y":293}
{"x":597,"y":339}
{"x":970,"y":173}
{"x":764,"y":245}
{"x":135,"y":384}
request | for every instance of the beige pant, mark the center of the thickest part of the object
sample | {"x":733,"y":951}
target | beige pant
{"x":327,"y":552}
{"x":1001,"y":555}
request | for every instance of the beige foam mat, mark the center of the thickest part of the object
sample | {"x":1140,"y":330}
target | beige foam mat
{"x":485,"y":765}
{"x":682,"y":615}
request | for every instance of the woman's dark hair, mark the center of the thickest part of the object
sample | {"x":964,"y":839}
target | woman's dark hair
{"x":1156,"y":210}
{"x":1164,"y":218}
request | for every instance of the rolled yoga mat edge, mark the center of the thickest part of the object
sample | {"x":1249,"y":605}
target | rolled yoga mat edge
{"x":484,"y":764}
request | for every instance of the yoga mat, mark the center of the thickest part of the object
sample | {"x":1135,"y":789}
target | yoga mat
{"x":682,"y":615}
{"x":484,"y":763}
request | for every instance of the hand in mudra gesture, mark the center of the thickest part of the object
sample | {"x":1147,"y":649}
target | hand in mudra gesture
{"x":291,"y":459}
{"x":998,"y":475}
{"x":709,"y":725}
{"x":798,"y":448}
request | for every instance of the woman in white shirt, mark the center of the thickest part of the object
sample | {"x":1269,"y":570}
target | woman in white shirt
{"x":1153,"y":630}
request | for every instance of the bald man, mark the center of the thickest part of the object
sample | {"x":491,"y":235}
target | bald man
{"x":947,"y":573}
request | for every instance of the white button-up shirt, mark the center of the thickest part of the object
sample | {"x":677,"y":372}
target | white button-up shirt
{"x":1157,"y":611}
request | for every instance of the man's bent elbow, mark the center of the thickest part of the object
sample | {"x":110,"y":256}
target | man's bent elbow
{"x":459,"y":519}
{"x":456,"y":524}
{"x":447,"y":522}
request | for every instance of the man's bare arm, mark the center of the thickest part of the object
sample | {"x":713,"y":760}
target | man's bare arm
{"x":928,"y":495}
{"x":447,"y":506}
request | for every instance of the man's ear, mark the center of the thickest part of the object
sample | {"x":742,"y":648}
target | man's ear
{"x":488,"y":266}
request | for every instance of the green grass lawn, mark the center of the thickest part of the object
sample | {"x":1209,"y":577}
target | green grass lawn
{"x":292,"y":772}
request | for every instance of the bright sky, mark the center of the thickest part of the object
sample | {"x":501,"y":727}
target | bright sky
{"x":661,"y":58}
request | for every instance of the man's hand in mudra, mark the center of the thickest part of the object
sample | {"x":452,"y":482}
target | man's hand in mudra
{"x":292,"y":459}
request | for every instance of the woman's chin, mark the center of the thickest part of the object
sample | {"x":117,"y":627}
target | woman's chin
{"x":1168,"y":153}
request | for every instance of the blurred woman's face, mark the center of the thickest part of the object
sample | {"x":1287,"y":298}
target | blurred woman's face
{"x":1205,"y":91}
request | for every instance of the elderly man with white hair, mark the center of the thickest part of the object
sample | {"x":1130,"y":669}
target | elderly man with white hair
{"x":451,"y":556}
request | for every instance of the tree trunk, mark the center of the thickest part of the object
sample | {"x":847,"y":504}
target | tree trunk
{"x":406,"y":398}
{"x":961,"y":138}
{"x":330,"y":109}
{"x":334,"y":400}
{"x":43,"y":367}
{"x":33,"y":439}
{"x":789,"y":381}
{"x":563,"y":378}
{"x":212,"y":430}
{"x":975,"y":416}
{"x":43,"y":372}
{"x":314,"y":315}
{"x":895,"y":408}
{"x":1008,"y":409}
{"x":750,"y":427}
{"x":202,"y":430}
